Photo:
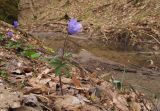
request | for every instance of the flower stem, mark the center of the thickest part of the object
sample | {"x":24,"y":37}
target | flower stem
{"x":63,"y":49}
{"x":60,"y":81}
{"x":64,"y":44}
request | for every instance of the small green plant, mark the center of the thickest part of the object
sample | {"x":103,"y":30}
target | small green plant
{"x":30,"y":53}
{"x":117,"y":84}
{"x":61,"y":62}
{"x":27,"y":51}
{"x":1,"y":37}
{"x":29,"y":47}
{"x":13,"y":44}
{"x":62,"y":66}
{"x":3,"y":74}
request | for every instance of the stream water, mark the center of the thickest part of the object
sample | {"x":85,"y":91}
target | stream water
{"x":140,"y":69}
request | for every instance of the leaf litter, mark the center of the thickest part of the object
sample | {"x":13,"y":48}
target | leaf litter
{"x":39,"y":88}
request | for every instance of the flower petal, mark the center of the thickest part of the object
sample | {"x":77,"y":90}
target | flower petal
{"x":74,"y":26}
{"x":10,"y":34}
{"x":15,"y":24}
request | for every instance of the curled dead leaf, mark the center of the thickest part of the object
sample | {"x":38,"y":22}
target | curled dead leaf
{"x":75,"y":81}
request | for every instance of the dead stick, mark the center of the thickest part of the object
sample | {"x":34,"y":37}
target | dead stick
{"x":137,"y":96}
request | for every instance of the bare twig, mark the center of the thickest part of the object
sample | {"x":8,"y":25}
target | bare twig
{"x":45,"y":107}
{"x":154,"y":39}
{"x":137,"y":96}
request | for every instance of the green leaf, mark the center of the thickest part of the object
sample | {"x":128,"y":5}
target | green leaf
{"x":29,"y":47}
{"x":58,"y":70}
{"x":60,"y":64}
{"x":67,"y":73}
{"x":30,"y":54}
{"x":55,"y":62}
{"x":13,"y":45}
{"x":67,"y":55}
{"x":36,"y":55}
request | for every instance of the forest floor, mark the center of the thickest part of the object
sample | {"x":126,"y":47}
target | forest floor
{"x":28,"y":82}
{"x":116,"y":56}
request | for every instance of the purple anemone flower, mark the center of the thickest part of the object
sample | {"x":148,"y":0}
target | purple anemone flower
{"x":74,"y":26}
{"x":9,"y":34}
{"x":15,"y":24}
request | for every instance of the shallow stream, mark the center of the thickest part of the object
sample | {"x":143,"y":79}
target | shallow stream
{"x":140,"y":69}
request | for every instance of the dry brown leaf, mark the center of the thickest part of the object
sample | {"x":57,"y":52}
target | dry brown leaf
{"x":120,"y":102}
{"x":135,"y":106}
{"x":27,"y":69}
{"x":76,"y":81}
{"x":45,"y":81}
{"x":93,"y":75}
{"x":68,"y":102}
{"x":46,"y":71}
{"x":72,"y":103}
{"x":36,"y":83}
{"x":66,"y":80}
{"x":28,"y":90}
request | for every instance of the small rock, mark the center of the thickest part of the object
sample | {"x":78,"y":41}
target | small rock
{"x":18,"y":72}
{"x":9,"y":99}
{"x":46,"y":71}
{"x":26,"y":108}
{"x":98,"y":69}
{"x":29,"y":74}
{"x":1,"y":82}
{"x":30,"y":100}
{"x":66,"y":80}
{"x":67,"y":102}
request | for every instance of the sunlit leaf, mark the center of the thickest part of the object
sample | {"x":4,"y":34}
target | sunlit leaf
{"x":30,"y":54}
{"x":36,"y":55}
{"x":67,"y":55}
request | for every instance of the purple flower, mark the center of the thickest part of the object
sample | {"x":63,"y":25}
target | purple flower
{"x":74,"y":26}
{"x":9,"y":34}
{"x":15,"y":24}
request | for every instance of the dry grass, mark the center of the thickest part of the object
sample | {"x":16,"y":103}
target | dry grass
{"x":102,"y":12}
